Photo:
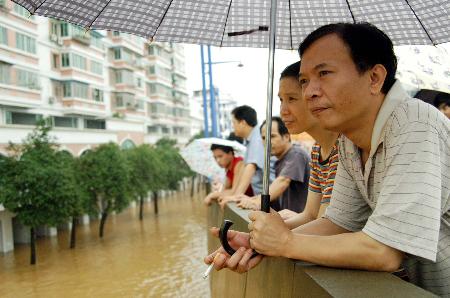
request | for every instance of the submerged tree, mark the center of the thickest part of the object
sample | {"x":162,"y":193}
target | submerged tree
{"x":145,"y":173}
{"x":79,"y":202}
{"x":105,"y":175}
{"x":36,"y":185}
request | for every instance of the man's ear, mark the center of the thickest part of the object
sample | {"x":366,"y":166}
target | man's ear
{"x":378,"y":75}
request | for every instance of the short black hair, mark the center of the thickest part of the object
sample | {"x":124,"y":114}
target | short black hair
{"x":291,"y":71}
{"x":282,"y":129}
{"x":246,"y":113}
{"x":367,"y":45}
{"x":226,"y":149}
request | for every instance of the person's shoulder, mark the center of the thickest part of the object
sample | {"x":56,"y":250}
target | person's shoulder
{"x":297,"y":150}
{"x":415,"y":110}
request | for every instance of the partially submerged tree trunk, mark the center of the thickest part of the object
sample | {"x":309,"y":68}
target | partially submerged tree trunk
{"x":102,"y":222}
{"x":141,"y":207}
{"x":155,"y":201}
{"x":32,"y":246}
{"x":192,"y":186}
{"x":73,"y":232}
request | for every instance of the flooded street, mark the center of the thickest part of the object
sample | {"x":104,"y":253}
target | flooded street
{"x":161,"y":256}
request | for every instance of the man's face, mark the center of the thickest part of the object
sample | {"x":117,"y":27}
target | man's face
{"x":293,"y":109}
{"x":336,"y":94}
{"x":222,"y":158}
{"x":237,"y":126}
{"x":278,"y":142}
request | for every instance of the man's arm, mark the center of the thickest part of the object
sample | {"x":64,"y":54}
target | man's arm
{"x":245,"y":178}
{"x":321,"y":242}
{"x":310,"y":212}
{"x":276,"y":189}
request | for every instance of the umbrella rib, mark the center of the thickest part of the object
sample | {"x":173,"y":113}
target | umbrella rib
{"x":226,"y":21}
{"x":162,"y":19}
{"x":37,"y":7}
{"x":290,"y":24}
{"x":420,"y":22}
{"x":93,"y":21}
{"x":351,"y":12}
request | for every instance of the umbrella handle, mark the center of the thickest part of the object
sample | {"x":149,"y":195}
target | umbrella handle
{"x":224,"y":241}
{"x":223,"y":232}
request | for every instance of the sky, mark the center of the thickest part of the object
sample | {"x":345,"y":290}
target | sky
{"x":247,"y":84}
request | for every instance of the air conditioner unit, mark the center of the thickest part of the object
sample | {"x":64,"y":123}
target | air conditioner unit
{"x":54,"y":37}
{"x":60,"y":42}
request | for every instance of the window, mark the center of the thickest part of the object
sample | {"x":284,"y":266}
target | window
{"x":94,"y":124}
{"x":139,"y":82}
{"x":128,"y":144}
{"x":152,"y":69}
{"x":3,"y":35}
{"x":27,"y":79}
{"x":25,"y":43}
{"x":22,"y":118}
{"x":65,"y":60}
{"x":158,"y":108}
{"x":117,"y":54}
{"x":22,"y":11}
{"x":55,"y":60}
{"x":153,"y":129}
{"x":5,"y":71}
{"x":124,"y":76}
{"x":140,"y":104}
{"x":165,"y":130}
{"x":64,"y":29}
{"x":97,"y":95}
{"x":116,"y":33}
{"x":76,"y":89}
{"x":96,"y":67}
{"x":123,"y":99}
{"x":79,"y":61}
{"x":65,"y":122}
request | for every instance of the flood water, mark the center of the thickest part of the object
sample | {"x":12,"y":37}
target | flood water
{"x":162,"y":256}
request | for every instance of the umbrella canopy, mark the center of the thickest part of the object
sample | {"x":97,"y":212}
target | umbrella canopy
{"x":424,"y":67}
{"x":245,"y":23}
{"x":200,"y":159}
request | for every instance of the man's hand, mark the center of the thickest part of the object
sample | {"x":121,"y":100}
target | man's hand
{"x":286,"y":213}
{"x":225,"y":199}
{"x":269,"y":235}
{"x":253,"y":203}
{"x":241,"y":260}
{"x":212,"y":196}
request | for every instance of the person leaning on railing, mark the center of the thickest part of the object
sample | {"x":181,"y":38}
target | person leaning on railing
{"x":390,"y":203}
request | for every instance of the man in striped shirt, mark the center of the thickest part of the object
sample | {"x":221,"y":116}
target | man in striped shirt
{"x":390,"y":203}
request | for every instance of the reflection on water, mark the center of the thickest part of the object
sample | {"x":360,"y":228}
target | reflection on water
{"x":159,"y":257}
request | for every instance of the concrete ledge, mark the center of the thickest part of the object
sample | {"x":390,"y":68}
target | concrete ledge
{"x":281,"y":277}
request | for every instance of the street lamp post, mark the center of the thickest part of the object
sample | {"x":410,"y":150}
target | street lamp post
{"x":213,"y":104}
{"x":205,"y":101}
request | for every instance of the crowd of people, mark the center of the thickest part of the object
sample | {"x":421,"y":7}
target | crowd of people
{"x":373,"y":194}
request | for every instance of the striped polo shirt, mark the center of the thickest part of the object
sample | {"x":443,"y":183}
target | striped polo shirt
{"x":401,"y":198}
{"x":322,"y":174}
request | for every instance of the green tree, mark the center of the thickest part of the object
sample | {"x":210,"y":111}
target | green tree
{"x":80,"y":201}
{"x":105,"y":175}
{"x":145,"y":173}
{"x":175,"y":168}
{"x":36,"y":186}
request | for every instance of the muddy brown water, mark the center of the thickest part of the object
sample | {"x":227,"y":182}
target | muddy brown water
{"x":162,"y":256}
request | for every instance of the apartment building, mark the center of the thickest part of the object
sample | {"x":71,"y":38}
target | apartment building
{"x":224,"y":105}
{"x":96,"y":87}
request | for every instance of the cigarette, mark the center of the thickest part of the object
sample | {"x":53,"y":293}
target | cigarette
{"x":208,"y":271}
